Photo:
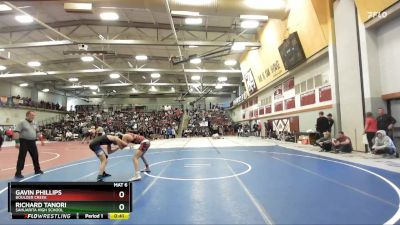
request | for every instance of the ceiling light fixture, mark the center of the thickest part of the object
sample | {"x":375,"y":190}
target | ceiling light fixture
{"x":195,"y":61}
{"x":218,"y":86}
{"x":196,"y":85}
{"x":238,"y":47}
{"x":4,"y":7}
{"x":222,"y":79}
{"x":195,"y":2}
{"x":24,"y":19}
{"x":73,"y":79}
{"x":78,"y":7}
{"x":2,"y":68}
{"x":141,"y":57}
{"x":184,"y":13}
{"x":193,"y":21}
{"x":46,"y":90}
{"x":93,"y":87}
{"x":109,"y":16}
{"x":34,"y":64}
{"x":24,"y":85}
{"x":249,"y":24}
{"x":115,"y":75}
{"x":155,"y":75}
{"x":193,"y":46}
{"x":254,"y":17}
{"x":195,"y":77}
{"x":2,"y":49}
{"x":95,"y":93}
{"x":230,"y":62}
{"x":134,"y":90}
{"x":153,"y":89}
{"x":172,"y":89}
{"x":87,"y":58}
{"x":271,"y":5}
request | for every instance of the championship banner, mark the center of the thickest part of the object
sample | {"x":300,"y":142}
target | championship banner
{"x":278,"y":92}
{"x":250,"y":82}
{"x":288,"y":84}
{"x":307,"y":98}
{"x":325,"y":94}
{"x":268,"y":109}
{"x":255,"y":114}
{"x":290,"y":103}
{"x":261,"y":111}
{"x":278,"y":106}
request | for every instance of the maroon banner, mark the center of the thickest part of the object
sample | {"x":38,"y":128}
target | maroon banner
{"x":290,"y":103}
{"x":278,"y":106}
{"x":268,"y":109}
{"x":288,"y":84}
{"x":261,"y":111}
{"x":255,"y":113}
{"x":307,"y":98}
{"x":325,"y":94}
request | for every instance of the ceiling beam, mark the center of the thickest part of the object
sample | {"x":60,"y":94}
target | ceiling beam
{"x":143,"y":84}
{"x":113,"y":57}
{"x":162,"y":26}
{"x":106,"y":71}
{"x":128,"y":42}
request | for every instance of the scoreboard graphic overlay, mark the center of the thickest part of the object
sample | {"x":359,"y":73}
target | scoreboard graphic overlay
{"x":70,"y":200}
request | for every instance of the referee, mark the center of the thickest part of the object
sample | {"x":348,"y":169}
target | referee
{"x":27,"y":132}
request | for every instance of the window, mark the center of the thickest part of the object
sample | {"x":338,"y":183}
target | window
{"x":318,"y":80}
{"x":303,"y":86}
{"x":310,"y":84}
{"x":297,"y":89}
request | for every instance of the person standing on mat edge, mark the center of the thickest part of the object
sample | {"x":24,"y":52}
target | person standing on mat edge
{"x":27,"y":132}
{"x":370,"y":129}
{"x":386,"y":122}
{"x":322,"y":125}
{"x":144,"y":146}
{"x":331,"y":122}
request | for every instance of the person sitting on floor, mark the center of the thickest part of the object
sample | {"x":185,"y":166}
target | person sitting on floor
{"x":325,"y":143}
{"x":342,"y":143}
{"x":383,"y":144}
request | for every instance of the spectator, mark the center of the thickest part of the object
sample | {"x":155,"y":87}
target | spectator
{"x":325,"y":143}
{"x":370,"y":129}
{"x":173,"y":133}
{"x":342,"y":143}
{"x":383,"y":144}
{"x":9,"y":133}
{"x":331,"y":122}
{"x":1,"y":137}
{"x":385,"y":122}
{"x":322,"y":124}
{"x":68,"y":136}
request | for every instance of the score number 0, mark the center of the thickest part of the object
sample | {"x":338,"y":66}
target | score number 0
{"x":121,"y":195}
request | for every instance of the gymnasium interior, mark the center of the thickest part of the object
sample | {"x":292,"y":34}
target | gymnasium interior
{"x":240,"y":111}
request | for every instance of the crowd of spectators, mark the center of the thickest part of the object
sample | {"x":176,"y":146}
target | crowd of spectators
{"x":204,"y":123}
{"x":17,"y":101}
{"x":154,"y":124}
